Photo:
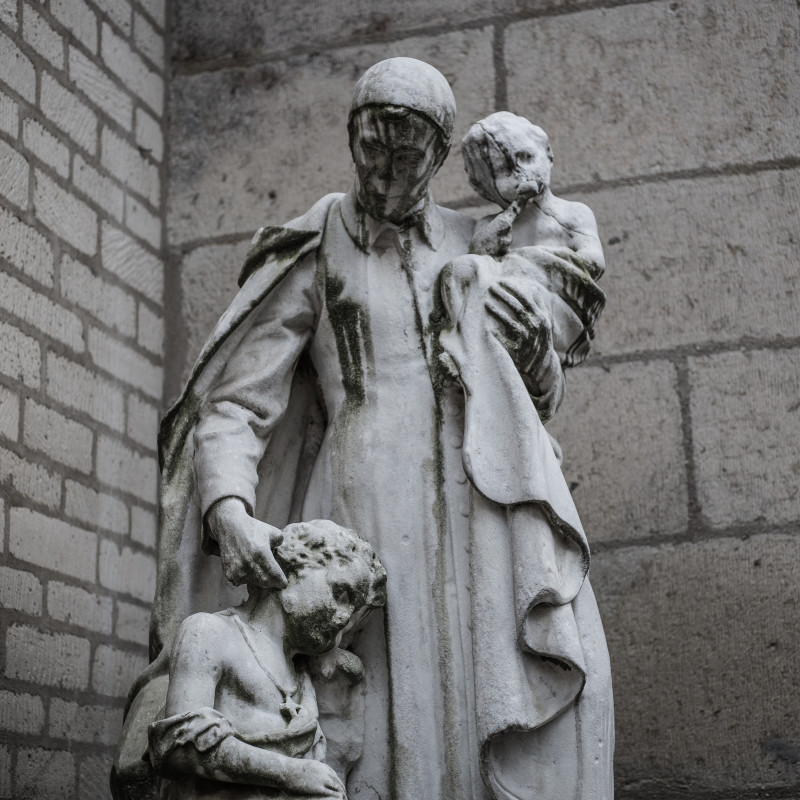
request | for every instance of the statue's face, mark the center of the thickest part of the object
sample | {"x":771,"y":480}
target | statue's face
{"x":319,"y":602}
{"x":521,"y":168}
{"x":396,"y":153}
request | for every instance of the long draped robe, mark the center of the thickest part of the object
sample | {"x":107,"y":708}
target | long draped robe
{"x":488,"y":674}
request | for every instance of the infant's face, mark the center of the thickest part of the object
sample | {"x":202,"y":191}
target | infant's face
{"x":521,"y":169}
{"x":319,"y":603}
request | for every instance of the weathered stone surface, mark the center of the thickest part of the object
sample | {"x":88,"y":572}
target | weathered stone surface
{"x":655,"y":87}
{"x":39,"y":34}
{"x":208,"y":284}
{"x":63,"y":440}
{"x":704,"y":657}
{"x":53,"y":659}
{"x":202,"y":33}
{"x":125,"y":363}
{"x":65,"y":215}
{"x":114,"y":670}
{"x":124,"y":469}
{"x":696,"y":263}
{"x":45,"y":773}
{"x":133,"y":623}
{"x":744,"y":410}
{"x":26,"y":248}
{"x":236,"y":171}
{"x":78,"y":607}
{"x":620,"y":430}
{"x":20,"y":590}
{"x":72,"y":721}
{"x":127,"y":571}
{"x":100,"y":88}
{"x":131,"y":263}
{"x":75,"y":118}
{"x":21,"y":713}
{"x":97,"y":509}
{"x":46,"y":147}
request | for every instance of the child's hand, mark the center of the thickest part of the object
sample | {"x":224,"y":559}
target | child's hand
{"x":309,"y":777}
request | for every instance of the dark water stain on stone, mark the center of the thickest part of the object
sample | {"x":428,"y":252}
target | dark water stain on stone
{"x":782,"y":750}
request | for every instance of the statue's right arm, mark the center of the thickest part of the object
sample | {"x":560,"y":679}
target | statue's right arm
{"x":237,"y":419}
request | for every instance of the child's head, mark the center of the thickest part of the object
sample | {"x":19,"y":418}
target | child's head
{"x":334,"y":576}
{"x":506,"y":157}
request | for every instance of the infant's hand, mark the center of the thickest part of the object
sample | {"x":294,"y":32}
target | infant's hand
{"x":313,"y":778}
{"x":245,"y":545}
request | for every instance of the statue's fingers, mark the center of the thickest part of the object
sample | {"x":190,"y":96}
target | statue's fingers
{"x":275,"y":538}
{"x":529,"y":302}
{"x":269,"y":570}
{"x":506,"y":319}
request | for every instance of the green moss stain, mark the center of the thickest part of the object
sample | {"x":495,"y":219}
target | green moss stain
{"x":453,"y":789}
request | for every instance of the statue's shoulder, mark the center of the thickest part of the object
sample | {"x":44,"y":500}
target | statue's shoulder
{"x":457,"y":221}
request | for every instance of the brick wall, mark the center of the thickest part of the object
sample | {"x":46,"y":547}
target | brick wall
{"x":81,"y":374}
{"x":678,"y":122}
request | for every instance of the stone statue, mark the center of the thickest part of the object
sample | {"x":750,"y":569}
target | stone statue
{"x":240,"y":715}
{"x":388,"y":364}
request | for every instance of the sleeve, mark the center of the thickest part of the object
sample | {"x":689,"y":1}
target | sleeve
{"x":192,"y":733}
{"x":238,"y":416}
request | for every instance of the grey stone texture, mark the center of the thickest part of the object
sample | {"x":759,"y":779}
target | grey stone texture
{"x":81,"y":312}
{"x":677,"y":122}
{"x":704,"y":658}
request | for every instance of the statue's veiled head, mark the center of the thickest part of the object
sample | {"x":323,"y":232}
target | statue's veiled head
{"x":401,"y":125}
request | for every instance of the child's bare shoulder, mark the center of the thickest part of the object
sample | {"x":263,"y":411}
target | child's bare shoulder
{"x":197,"y":630}
{"x":572,"y":214}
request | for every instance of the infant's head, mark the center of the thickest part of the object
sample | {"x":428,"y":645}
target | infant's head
{"x":334,"y":577}
{"x":507,"y":157}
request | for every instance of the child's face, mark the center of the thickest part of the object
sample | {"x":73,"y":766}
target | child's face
{"x":521,"y":169}
{"x":319,"y":602}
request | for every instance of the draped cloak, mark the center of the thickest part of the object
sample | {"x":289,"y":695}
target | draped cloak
{"x":488,"y":675}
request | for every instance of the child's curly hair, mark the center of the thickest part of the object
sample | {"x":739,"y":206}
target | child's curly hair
{"x":319,"y":542}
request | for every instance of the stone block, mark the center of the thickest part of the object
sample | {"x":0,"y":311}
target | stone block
{"x":148,"y":40}
{"x":118,"y":11}
{"x":131,"y":263}
{"x":696,"y":263}
{"x":95,"y":509}
{"x":124,"y":469}
{"x":108,"y":303}
{"x":233,"y":172}
{"x":38,"y":33}
{"x":40,"y":312}
{"x":100,"y":89}
{"x":125,"y":363}
{"x":45,"y":773}
{"x":82,"y":389}
{"x":20,"y":357}
{"x":8,"y":14}
{"x":128,"y":571}
{"x":620,"y":430}
{"x":65,"y":215}
{"x":64,"y":440}
{"x":20,"y":590}
{"x":114,"y":670}
{"x":5,"y":772}
{"x":647,"y":88}
{"x":744,"y":408}
{"x":129,"y":67}
{"x":49,"y":659}
{"x":75,"y":722}
{"x":63,"y":108}
{"x":17,"y":69}
{"x":142,"y":422}
{"x":143,"y":526}
{"x":25,"y":248}
{"x":14,"y":173}
{"x":52,"y":544}
{"x":32,"y":480}
{"x":126,"y":163}
{"x":208,"y":278}
{"x":78,"y":607}
{"x":9,"y":414}
{"x":150,"y":330}
{"x":9,"y":116}
{"x":149,"y":135}
{"x":46,"y":147}
{"x":142,"y":222}
{"x":704,"y":661}
{"x":78,"y":17}
{"x":271,"y":29}
{"x":93,"y":776}
{"x":98,"y":187}
{"x":21,"y":713}
{"x":133,"y":623}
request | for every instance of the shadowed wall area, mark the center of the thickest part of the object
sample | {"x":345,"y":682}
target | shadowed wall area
{"x":129,"y":191}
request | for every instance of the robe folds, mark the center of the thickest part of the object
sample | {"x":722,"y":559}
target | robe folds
{"x":322,"y":394}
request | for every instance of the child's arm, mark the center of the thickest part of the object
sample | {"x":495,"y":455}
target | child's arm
{"x":194,"y":739}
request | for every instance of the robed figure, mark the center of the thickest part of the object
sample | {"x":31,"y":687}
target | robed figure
{"x":353,"y":380}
